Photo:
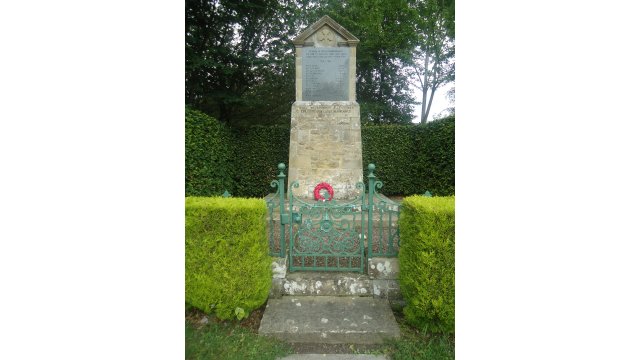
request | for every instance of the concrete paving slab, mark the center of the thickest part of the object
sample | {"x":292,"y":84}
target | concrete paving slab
{"x":329,"y":319}
{"x":333,"y":357}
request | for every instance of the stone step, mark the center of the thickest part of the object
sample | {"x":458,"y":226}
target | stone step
{"x":327,"y":284}
{"x":337,"y":284}
{"x":329,"y":319}
{"x":380,"y":282}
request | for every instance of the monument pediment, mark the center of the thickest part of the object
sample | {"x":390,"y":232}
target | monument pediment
{"x":325,"y":32}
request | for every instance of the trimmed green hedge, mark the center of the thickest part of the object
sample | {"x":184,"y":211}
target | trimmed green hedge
{"x":427,"y":262}
{"x":435,"y":157}
{"x":227,"y":263}
{"x":208,"y":151}
{"x":391,"y":149}
{"x":411,"y":159}
{"x":260,"y":150}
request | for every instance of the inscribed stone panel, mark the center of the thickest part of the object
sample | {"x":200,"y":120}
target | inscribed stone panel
{"x":325,"y":74}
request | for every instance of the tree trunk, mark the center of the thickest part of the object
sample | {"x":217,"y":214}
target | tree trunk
{"x":426,"y":115}
{"x":381,"y":87}
{"x":425,"y":87}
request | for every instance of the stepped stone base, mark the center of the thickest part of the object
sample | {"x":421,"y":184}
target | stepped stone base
{"x":329,"y":319}
{"x":379,"y":282}
{"x":327,"y":284}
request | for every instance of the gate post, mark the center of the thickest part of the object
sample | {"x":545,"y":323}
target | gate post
{"x":372,"y":183}
{"x":281,"y":191}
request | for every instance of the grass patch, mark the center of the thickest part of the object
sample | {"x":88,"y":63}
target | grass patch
{"x":434,"y":347}
{"x":229,"y":341}
{"x":418,"y":345}
{"x":412,"y":346}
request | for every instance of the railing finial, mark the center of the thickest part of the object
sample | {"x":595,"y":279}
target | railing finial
{"x":371,"y":168}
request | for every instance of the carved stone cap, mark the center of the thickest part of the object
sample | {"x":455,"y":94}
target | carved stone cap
{"x":301,"y":39}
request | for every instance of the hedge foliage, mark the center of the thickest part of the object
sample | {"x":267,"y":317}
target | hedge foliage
{"x":434,"y":155}
{"x":260,"y":150}
{"x":227,"y":263}
{"x":412,"y":159}
{"x":409,"y":159}
{"x":208,"y":155}
{"x":427,"y":262}
{"x":391,"y":149}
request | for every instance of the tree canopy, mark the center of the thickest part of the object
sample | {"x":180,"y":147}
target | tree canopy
{"x":434,"y":62}
{"x":239,"y":58}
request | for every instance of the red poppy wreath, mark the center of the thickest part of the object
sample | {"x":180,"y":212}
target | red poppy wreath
{"x":325,"y":186}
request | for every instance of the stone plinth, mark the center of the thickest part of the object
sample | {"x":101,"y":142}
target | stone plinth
{"x":325,"y":145}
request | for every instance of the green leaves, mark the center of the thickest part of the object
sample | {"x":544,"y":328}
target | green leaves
{"x":238,"y":58}
{"x":208,"y":155}
{"x":427,"y":262}
{"x":387,"y":40}
{"x":260,"y":150}
{"x":227,"y":263}
{"x":412,"y":159}
{"x":240,"y":313}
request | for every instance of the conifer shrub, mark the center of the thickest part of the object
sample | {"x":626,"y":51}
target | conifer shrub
{"x":227,"y":263}
{"x":427,"y":262}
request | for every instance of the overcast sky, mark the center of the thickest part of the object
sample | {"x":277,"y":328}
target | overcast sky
{"x":440,"y":102}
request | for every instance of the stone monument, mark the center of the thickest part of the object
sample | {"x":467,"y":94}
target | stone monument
{"x":326,"y":144}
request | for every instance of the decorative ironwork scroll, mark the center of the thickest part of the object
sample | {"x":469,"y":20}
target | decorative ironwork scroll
{"x":334,"y":235}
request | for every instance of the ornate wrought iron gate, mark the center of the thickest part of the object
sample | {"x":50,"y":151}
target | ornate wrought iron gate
{"x":332,"y":235}
{"x":326,"y":235}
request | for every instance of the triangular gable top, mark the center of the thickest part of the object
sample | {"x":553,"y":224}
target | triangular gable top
{"x":325,"y":20}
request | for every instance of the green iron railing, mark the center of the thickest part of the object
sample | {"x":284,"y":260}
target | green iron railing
{"x":332,"y":235}
{"x":326,"y":235}
{"x":383,"y":233}
{"x":277,"y":221}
